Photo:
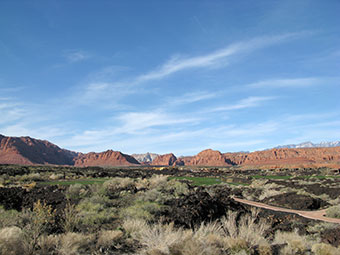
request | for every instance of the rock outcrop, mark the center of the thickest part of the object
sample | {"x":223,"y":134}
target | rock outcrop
{"x":210,"y":157}
{"x":164,"y":160}
{"x":274,"y":157}
{"x":29,"y":151}
{"x":106,"y":158}
{"x":286,"y":156}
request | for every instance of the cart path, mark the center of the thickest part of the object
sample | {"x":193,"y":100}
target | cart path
{"x":315,"y":215}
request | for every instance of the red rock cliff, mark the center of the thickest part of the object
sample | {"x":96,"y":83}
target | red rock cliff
{"x":106,"y":158}
{"x":164,"y":160}
{"x":28,"y":151}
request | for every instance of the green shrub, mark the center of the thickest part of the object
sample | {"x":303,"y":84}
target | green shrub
{"x":93,"y":213}
{"x":55,"y":176}
{"x":76,"y":191}
{"x":70,"y":218}
{"x":8,"y":218}
{"x":152,"y":195}
{"x":176,"y":188}
{"x":325,"y":249}
{"x":34,"y":224}
{"x":31,"y":177}
{"x":158,"y":181}
{"x":2,"y":181}
{"x":112,"y":187}
{"x":141,"y":210}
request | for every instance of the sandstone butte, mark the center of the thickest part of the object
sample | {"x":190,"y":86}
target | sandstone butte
{"x":164,"y":160}
{"x":106,"y":158}
{"x":29,"y":151}
{"x":274,"y":157}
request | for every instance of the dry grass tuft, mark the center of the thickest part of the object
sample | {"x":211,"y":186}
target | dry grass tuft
{"x":48,"y":244}
{"x":247,"y":229}
{"x":215,"y":238}
{"x":158,"y":181}
{"x":295,"y":244}
{"x":333,"y":212}
{"x":134,"y":226}
{"x":74,"y":243}
{"x":108,"y":238}
{"x":71,"y":218}
{"x":325,"y":249}
{"x":11,"y":241}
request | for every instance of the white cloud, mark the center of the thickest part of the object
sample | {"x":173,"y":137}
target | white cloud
{"x":76,"y":55}
{"x":11,"y":111}
{"x":161,"y":133}
{"x":133,"y":122}
{"x":100,"y":94}
{"x":286,"y":83}
{"x":248,"y":102}
{"x":177,"y":64}
{"x":189,"y":98}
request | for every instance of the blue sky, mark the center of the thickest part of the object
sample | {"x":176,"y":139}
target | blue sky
{"x":170,"y":76}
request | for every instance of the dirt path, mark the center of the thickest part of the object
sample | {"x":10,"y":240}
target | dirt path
{"x":315,"y":215}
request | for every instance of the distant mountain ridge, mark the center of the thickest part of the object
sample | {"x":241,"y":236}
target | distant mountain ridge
{"x":310,"y":145}
{"x":273,"y":157}
{"x":106,"y":158}
{"x":30,"y":151}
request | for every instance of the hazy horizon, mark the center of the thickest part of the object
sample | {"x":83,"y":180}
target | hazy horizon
{"x":175,"y":76}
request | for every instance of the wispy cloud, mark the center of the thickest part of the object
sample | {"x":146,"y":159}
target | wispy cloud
{"x":176,"y":64}
{"x":11,"y":111}
{"x":287,"y":83}
{"x":76,"y":55}
{"x":162,"y":132}
{"x":191,"y":97}
{"x":248,"y":102}
{"x":101,"y":94}
{"x":133,"y":122}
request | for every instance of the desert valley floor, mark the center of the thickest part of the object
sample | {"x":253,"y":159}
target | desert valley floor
{"x":168,"y":210}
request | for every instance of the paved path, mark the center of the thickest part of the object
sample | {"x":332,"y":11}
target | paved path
{"x":315,"y":215}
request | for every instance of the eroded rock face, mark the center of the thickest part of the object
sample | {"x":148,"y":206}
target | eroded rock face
{"x":275,"y":157}
{"x":286,"y":156}
{"x":164,"y":160}
{"x":210,"y":157}
{"x":29,"y":151}
{"x":106,"y":158}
